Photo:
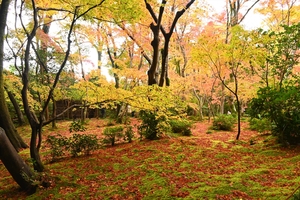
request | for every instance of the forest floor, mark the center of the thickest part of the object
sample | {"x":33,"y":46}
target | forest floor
{"x":206,"y":165}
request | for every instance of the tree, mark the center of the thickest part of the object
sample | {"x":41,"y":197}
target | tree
{"x":232,"y":63}
{"x":228,"y":61}
{"x":279,"y":13}
{"x":37,"y":121}
{"x":156,"y":27}
{"x":5,"y":119}
{"x":278,"y":100}
{"x":8,"y":153}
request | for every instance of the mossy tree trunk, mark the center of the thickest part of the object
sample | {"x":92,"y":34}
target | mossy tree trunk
{"x":13,"y":162}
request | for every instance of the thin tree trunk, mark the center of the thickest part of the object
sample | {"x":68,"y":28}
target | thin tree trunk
{"x":54,"y":113}
{"x":239,"y":116}
{"x":200,"y":102}
{"x":222,"y":103}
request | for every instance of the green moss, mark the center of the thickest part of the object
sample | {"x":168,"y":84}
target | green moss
{"x":222,"y":155}
{"x":272,"y":153}
{"x":92,"y":176}
{"x":294,"y":159}
{"x":155,"y":186}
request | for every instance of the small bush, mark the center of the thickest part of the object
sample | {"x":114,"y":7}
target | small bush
{"x":110,"y":122}
{"x":149,"y":127}
{"x":181,"y":126}
{"x":260,"y":125}
{"x":77,"y":144}
{"x":223,"y":122}
{"x":129,"y":134}
{"x":112,"y":134}
{"x":77,"y":126}
{"x":57,"y":145}
{"x":82,"y":143}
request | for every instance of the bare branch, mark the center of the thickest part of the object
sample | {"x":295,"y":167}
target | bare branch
{"x":248,"y":10}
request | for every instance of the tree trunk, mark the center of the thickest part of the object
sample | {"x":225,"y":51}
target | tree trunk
{"x":200,"y":103}
{"x":8,"y":126}
{"x":13,"y":162}
{"x":164,"y":63}
{"x":53,"y":113}
{"x":239,"y":116}
{"x":222,"y":101}
{"x":152,"y":72}
{"x":34,"y":148}
{"x":5,"y":119}
{"x":19,"y":113}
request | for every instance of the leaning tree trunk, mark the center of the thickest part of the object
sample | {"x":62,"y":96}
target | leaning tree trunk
{"x":7,"y":124}
{"x":13,"y":162}
{"x":19,"y":113}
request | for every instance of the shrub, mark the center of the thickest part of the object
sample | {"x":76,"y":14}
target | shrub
{"x":149,"y":126}
{"x":110,"y":122}
{"x":261,"y":125}
{"x":112,"y":134}
{"x":181,"y":126}
{"x":57,"y":144}
{"x":77,"y":126}
{"x":223,"y":122}
{"x":77,"y":144}
{"x":129,"y":134}
{"x":281,"y":107}
{"x":82,"y":143}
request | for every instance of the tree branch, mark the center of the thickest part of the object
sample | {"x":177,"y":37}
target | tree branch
{"x":248,"y":10}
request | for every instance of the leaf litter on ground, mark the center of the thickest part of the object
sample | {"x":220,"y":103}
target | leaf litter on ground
{"x":203,"y":166}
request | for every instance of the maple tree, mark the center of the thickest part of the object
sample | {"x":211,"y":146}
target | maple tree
{"x":37,"y":122}
{"x":230,"y":61}
{"x":279,"y":13}
{"x":157,"y":27}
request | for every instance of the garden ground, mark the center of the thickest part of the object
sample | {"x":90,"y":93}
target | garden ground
{"x":206,"y":165}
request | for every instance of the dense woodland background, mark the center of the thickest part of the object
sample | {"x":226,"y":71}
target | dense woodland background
{"x":162,"y":62}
